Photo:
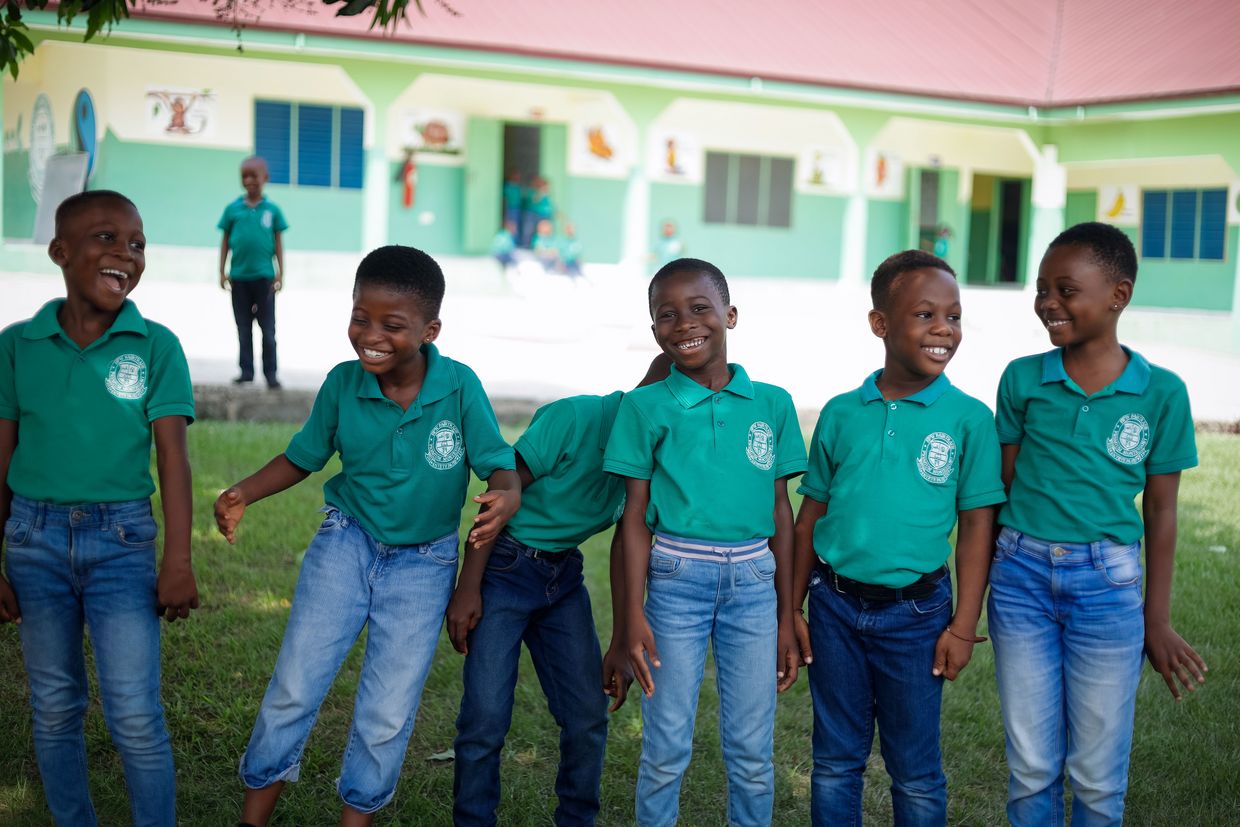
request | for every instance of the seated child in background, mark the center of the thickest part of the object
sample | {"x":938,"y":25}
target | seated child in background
{"x":83,"y":387}
{"x":531,"y":588}
{"x":669,"y":247}
{"x":1085,"y":428}
{"x":538,"y":206}
{"x":409,"y":425}
{"x":569,"y":251}
{"x":706,"y":455}
{"x":504,"y":245}
{"x":546,"y":251}
{"x":514,"y":196}
{"x":891,"y":467}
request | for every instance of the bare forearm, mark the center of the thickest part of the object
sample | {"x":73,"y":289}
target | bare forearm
{"x":175,"y":487}
{"x":782,"y":550}
{"x":1159,"y":512}
{"x":8,"y":444}
{"x":803,"y":548}
{"x":973,"y":542}
{"x":272,"y":478}
{"x":617,"y":583}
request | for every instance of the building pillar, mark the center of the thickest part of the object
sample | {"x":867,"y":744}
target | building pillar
{"x":635,"y":250}
{"x":1048,"y":199}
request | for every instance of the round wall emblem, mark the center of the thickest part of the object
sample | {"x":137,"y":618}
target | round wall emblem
{"x":126,"y":376}
{"x":937,"y":458}
{"x":1129,"y":442}
{"x":445,"y":447}
{"x":760,"y":447}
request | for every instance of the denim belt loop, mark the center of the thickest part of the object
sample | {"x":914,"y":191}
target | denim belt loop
{"x":1095,"y":554}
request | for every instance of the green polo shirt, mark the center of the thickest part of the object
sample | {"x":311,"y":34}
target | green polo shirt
{"x":84,"y":415}
{"x":894,"y":474}
{"x":1083,"y":459}
{"x":403,"y":472}
{"x":712,"y":457}
{"x":571,"y":498}
{"x":252,"y":238}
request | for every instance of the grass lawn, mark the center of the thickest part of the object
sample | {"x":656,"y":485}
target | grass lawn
{"x":216,"y":666}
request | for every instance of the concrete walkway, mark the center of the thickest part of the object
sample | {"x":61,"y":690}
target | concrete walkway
{"x":538,"y":337}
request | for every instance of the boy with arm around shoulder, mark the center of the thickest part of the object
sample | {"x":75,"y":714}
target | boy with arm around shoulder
{"x":408,"y":424}
{"x":530,"y":588}
{"x":892,"y":466}
{"x":706,"y":455}
{"x":84,"y":385}
{"x":1085,"y":428}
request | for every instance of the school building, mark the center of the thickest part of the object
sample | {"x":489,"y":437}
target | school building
{"x":783,"y":139}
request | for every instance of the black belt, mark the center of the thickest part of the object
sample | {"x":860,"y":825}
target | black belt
{"x":921,"y":587}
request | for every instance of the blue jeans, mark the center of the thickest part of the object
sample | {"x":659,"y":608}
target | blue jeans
{"x":730,"y":605}
{"x":543,"y":602}
{"x":1068,"y":629}
{"x":872,"y":664}
{"x":92,"y":565}
{"x":349,"y":580}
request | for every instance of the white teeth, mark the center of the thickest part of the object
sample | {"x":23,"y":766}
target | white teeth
{"x":692,"y":343}
{"x":374,"y":354}
{"x":937,"y":351}
{"x":117,"y":273}
{"x":1056,"y":322}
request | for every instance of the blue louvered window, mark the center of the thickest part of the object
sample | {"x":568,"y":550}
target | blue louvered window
{"x":1184,"y":224}
{"x":310,"y":145}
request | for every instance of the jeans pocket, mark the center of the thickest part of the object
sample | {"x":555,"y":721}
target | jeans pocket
{"x":763,"y":567}
{"x":16,"y":532}
{"x":138,"y":532}
{"x":332,"y":518}
{"x":1122,"y":567}
{"x":443,"y":551}
{"x":502,"y":558}
{"x":936,"y":601}
{"x":664,"y":566}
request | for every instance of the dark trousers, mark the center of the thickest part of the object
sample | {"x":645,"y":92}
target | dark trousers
{"x":252,"y":301}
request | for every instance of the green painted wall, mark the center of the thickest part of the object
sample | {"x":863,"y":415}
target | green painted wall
{"x":19,"y":205}
{"x":1082,"y":206}
{"x":809,"y":248}
{"x":1191,"y":284}
{"x":597,"y":210}
{"x":439,"y":195}
{"x":978,"y":270}
{"x":886,"y":232}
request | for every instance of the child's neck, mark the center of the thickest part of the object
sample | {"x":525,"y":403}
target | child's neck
{"x":402,"y":387}
{"x":896,"y":384}
{"x":714,"y":376}
{"x":252,"y":201}
{"x":1096,"y":363}
{"x":83,"y":323}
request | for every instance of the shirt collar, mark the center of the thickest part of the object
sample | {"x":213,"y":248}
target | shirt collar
{"x":689,"y":393}
{"x":435,"y":385}
{"x":925,"y":397}
{"x":1135,"y":378}
{"x":46,"y":323}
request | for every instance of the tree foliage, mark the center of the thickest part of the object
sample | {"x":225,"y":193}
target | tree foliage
{"x":102,"y":15}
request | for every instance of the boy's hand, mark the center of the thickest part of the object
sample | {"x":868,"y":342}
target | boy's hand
{"x":800,"y":628}
{"x":951,"y":654}
{"x":229,"y":508}
{"x":9,"y":610}
{"x":640,"y":645}
{"x":223,"y":281}
{"x":464,"y":612}
{"x":277,"y":284}
{"x":1173,"y":658}
{"x":176,"y":591}
{"x":496,"y":509}
{"x":617,"y":675}
{"x":787,"y":656}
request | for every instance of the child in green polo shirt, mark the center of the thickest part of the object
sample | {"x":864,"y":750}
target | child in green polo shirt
{"x":1085,"y":428}
{"x":893,"y":466}
{"x":706,"y":455}
{"x":83,"y":387}
{"x":532,"y":590}
{"x":409,"y":425}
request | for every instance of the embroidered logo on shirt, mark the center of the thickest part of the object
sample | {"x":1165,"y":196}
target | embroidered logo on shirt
{"x":267,"y":220}
{"x":761,"y":445}
{"x":445,"y":447}
{"x":126,"y":376}
{"x":937,"y":458}
{"x":1129,"y":442}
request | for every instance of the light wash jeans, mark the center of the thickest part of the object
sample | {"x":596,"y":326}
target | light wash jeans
{"x":93,"y":566}
{"x":542,"y":601}
{"x":348,"y":580}
{"x":873,"y":663}
{"x":1068,"y":630}
{"x":690,"y":602}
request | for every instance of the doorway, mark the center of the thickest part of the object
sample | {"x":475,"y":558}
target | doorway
{"x":998,"y":230}
{"x":522,"y":164}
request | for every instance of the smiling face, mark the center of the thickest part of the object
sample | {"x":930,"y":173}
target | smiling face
{"x":253,"y":176}
{"x":1076,"y":301}
{"x":920,"y":326}
{"x":387,"y":330}
{"x":691,"y":324}
{"x":101,"y":250}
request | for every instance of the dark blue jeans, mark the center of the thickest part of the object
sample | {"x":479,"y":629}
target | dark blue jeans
{"x":255,"y":301}
{"x":543,"y":602}
{"x":872,"y":663}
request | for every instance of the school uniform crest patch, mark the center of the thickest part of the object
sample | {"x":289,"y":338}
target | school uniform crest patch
{"x":937,"y":459}
{"x":760,"y":446}
{"x":268,"y":220}
{"x":126,"y":377}
{"x":1129,"y":442}
{"x":445,"y":447}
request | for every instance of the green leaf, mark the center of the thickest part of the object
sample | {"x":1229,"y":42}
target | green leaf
{"x":20,"y":40}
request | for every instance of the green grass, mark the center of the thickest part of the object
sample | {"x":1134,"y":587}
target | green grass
{"x":217,"y":664}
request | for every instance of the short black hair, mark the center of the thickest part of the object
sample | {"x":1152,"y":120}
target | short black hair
{"x":691,"y":265}
{"x":1110,"y":247}
{"x":882,"y":285}
{"x":403,"y":270}
{"x":74,"y":204}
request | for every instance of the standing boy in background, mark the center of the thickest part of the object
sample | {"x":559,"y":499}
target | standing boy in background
{"x":891,"y":466}
{"x":83,"y":387}
{"x":252,"y":226}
